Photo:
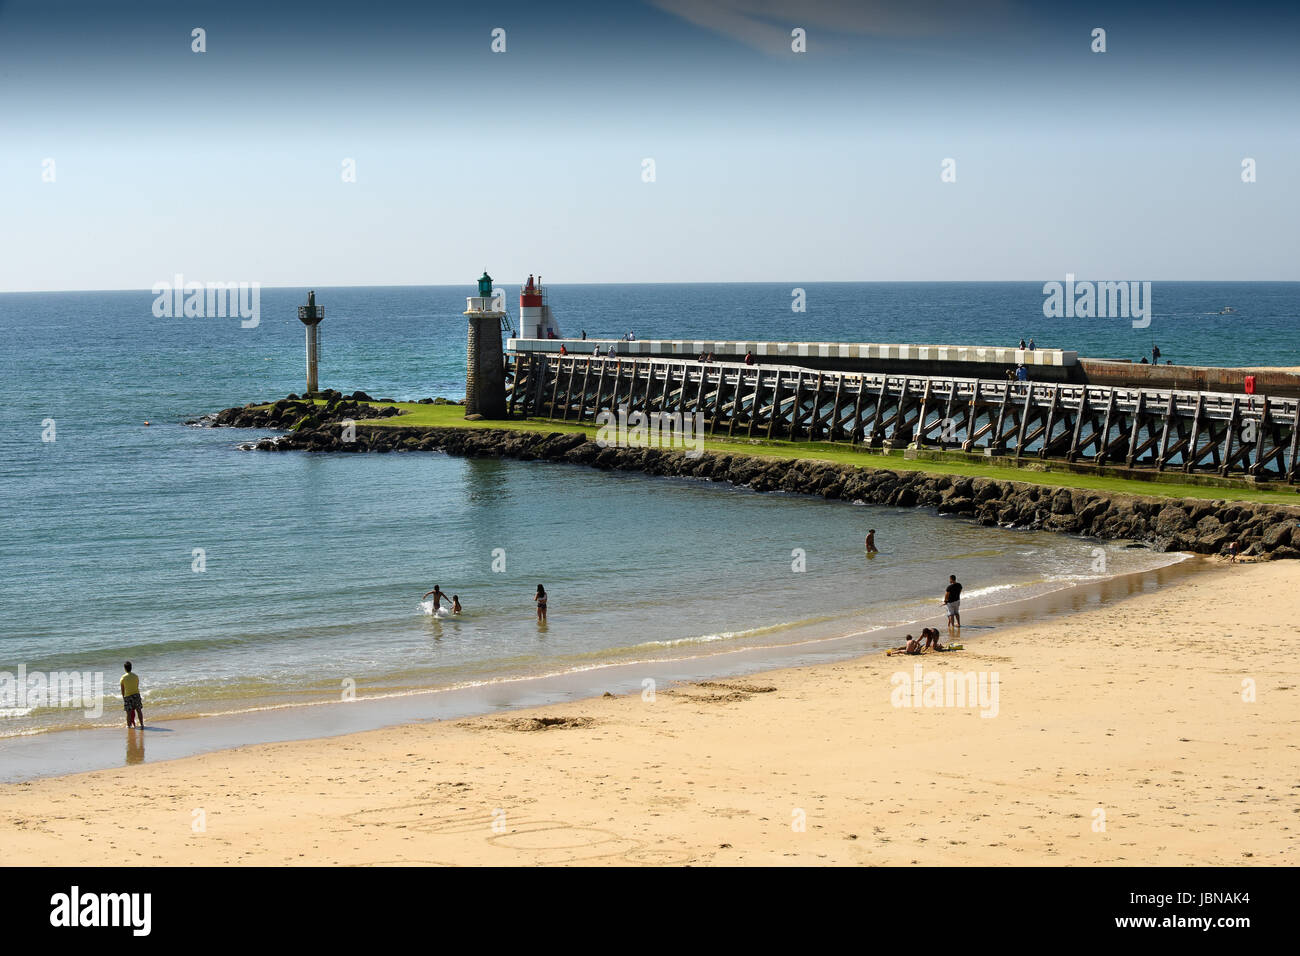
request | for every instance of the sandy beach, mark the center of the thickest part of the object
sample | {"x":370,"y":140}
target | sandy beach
{"x":1125,"y":734}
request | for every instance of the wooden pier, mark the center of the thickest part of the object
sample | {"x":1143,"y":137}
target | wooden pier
{"x":1160,"y":429}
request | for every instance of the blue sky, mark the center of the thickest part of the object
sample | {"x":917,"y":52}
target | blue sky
{"x":769,"y":165}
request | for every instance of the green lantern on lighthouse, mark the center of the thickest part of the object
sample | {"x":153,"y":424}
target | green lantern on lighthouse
{"x":485,"y":285}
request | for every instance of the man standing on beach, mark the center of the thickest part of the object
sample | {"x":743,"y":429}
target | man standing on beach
{"x":952,"y":601}
{"x":130,"y":685}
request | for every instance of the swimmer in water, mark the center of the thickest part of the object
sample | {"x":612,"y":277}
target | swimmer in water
{"x":540,"y":600}
{"x":438,"y":596}
{"x":455,"y":604}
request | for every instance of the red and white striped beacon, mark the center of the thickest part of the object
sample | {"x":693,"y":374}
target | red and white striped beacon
{"x":535,"y":319}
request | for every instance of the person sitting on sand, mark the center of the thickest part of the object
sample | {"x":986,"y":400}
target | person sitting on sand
{"x":871,"y":542}
{"x":438,"y":596}
{"x":913,"y":645}
{"x":540,"y":600}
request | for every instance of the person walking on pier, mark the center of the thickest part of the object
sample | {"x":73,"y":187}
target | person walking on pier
{"x":1031,"y":343}
{"x":749,"y":358}
{"x":1022,"y":345}
{"x":1155,"y":354}
{"x":952,"y":602}
{"x":540,"y":600}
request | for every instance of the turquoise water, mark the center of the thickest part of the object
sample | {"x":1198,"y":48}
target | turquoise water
{"x":314,"y":564}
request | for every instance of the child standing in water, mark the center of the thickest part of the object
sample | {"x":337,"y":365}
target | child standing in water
{"x":871,"y":542}
{"x":540,"y":600}
{"x":455,"y":604}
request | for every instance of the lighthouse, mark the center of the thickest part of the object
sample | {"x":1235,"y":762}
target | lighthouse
{"x":535,"y":319}
{"x":485,"y":371}
{"x":311,"y":315}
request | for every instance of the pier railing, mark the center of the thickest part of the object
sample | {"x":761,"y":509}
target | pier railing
{"x":1213,"y":432}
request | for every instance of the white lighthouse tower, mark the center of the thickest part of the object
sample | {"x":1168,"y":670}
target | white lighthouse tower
{"x":535,"y":319}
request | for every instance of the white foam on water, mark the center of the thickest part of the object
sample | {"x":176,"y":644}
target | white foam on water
{"x":441,"y":612}
{"x":991,"y":589}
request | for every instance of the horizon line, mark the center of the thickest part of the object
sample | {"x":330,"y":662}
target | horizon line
{"x":470,"y":284}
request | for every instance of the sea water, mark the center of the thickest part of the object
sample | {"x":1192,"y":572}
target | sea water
{"x":240,"y":580}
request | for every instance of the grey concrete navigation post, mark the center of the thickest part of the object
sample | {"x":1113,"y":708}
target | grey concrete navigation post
{"x":311,"y":315}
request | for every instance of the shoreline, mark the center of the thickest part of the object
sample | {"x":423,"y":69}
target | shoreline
{"x":72,"y":751}
{"x":1128,"y":712}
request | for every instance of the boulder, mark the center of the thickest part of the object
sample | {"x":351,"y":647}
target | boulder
{"x":1277,"y":535}
{"x":1062,"y":502}
{"x":1171,"y":520}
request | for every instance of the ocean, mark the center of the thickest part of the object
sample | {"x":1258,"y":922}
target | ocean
{"x":239,"y":581}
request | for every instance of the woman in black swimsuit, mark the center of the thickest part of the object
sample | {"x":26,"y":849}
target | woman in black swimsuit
{"x":540,"y":600}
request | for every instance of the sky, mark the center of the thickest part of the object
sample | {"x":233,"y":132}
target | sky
{"x":127,"y":157}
